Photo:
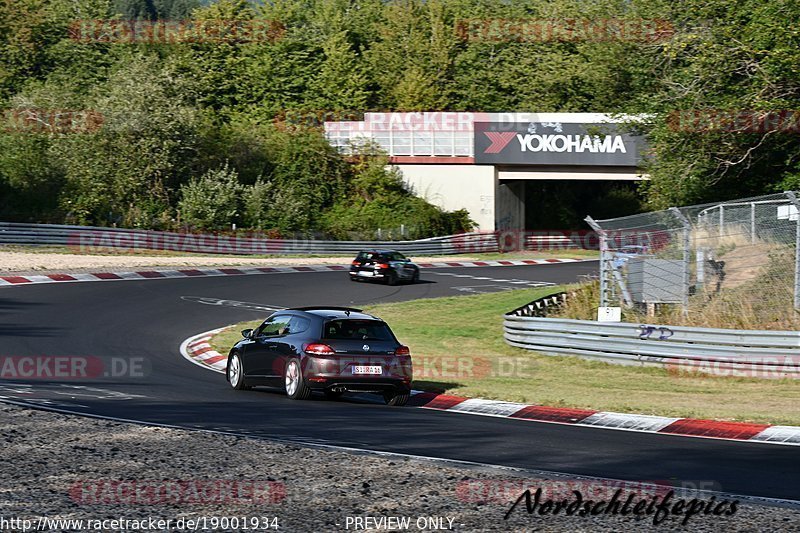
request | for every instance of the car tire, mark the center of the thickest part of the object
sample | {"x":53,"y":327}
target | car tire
{"x":415,"y":277}
{"x":296,"y":388}
{"x":354,"y":278}
{"x":391,"y":278}
{"x":235,"y":372}
{"x":398,"y":400}
{"x":333,"y":395}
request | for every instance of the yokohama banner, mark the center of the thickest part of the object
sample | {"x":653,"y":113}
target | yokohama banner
{"x":555,"y":143}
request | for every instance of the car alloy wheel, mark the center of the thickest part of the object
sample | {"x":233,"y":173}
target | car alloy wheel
{"x":236,"y":373}
{"x":296,"y":389}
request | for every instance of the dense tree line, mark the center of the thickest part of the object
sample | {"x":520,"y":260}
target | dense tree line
{"x":192,"y":134}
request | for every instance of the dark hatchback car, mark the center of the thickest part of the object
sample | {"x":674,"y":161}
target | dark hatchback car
{"x":384,"y":265}
{"x":329,"y":349}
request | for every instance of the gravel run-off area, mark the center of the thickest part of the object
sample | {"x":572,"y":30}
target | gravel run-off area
{"x":58,"y":466}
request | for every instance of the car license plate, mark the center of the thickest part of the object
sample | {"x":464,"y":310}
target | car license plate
{"x":365,"y":273}
{"x":369,"y":370}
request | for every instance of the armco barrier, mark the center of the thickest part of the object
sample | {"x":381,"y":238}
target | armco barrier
{"x":731,"y":352}
{"x":88,"y":239}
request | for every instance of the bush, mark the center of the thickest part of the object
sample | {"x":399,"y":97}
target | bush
{"x":257,"y":202}
{"x":212,"y":202}
{"x":377,"y":198}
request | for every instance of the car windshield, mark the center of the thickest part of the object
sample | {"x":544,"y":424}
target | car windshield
{"x":349,"y":329}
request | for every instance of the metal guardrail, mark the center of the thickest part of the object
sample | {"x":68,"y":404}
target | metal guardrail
{"x":87,"y":239}
{"x":740,"y":353}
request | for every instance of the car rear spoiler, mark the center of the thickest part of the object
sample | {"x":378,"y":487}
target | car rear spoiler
{"x":326,"y":308}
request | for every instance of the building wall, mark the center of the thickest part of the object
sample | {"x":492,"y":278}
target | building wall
{"x":494,"y":197}
{"x":453,"y":187}
{"x":510,"y":205}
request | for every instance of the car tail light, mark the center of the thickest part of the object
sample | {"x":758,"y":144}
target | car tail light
{"x":319,"y":349}
{"x":356,"y":263}
{"x":402,"y":350}
{"x":382,"y":265}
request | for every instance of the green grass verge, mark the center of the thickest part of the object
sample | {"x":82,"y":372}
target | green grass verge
{"x":468,"y":329}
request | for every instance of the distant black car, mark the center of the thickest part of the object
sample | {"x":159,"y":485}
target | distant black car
{"x":330,"y":349}
{"x":385,"y":265}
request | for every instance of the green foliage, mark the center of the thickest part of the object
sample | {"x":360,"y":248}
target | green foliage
{"x":125,"y":172}
{"x":29,"y":180}
{"x":174,"y":112}
{"x":380,"y":200}
{"x":307,"y":175}
{"x":211,"y":202}
{"x":257,"y":201}
{"x":728,"y":57}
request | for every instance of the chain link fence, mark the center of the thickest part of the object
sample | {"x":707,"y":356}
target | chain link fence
{"x":725,"y":265}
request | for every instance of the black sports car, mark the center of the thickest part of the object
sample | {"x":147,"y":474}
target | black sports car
{"x":385,"y":265}
{"x":330,"y":349}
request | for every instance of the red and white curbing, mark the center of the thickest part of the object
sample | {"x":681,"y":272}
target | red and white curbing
{"x":499,"y":263}
{"x":190,"y":273}
{"x":198,"y":350}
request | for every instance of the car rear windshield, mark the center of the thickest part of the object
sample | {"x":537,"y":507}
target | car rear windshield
{"x":351,"y":329}
{"x":366,"y":256}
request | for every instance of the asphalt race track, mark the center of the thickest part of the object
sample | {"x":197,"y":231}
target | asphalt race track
{"x":149,"y":319}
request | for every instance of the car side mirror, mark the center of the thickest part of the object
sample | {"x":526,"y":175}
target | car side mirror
{"x":246,"y":333}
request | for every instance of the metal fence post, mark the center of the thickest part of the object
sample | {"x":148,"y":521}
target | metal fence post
{"x":687,"y":250}
{"x":603,"y":260}
{"x":700,"y":251}
{"x":753,"y":222}
{"x":796,"y":204}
